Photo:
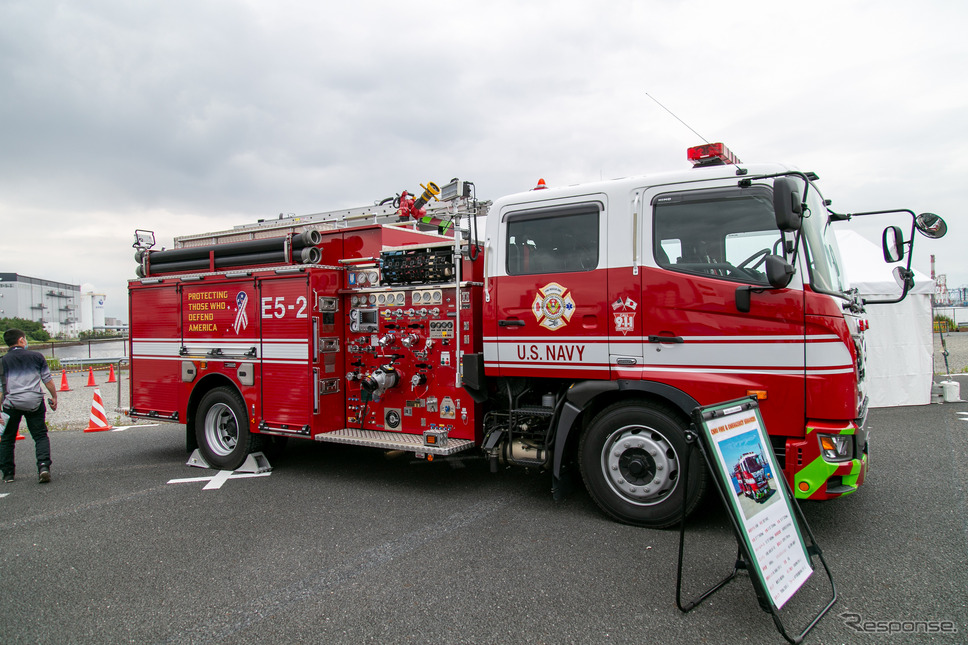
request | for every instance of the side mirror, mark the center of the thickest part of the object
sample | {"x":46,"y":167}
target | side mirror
{"x":787,"y":207}
{"x":779,"y":272}
{"x":892,"y":243}
{"x":904,"y":278}
{"x":930,"y":225}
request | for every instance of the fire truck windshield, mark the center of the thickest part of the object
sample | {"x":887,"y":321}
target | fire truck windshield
{"x":823,"y":254}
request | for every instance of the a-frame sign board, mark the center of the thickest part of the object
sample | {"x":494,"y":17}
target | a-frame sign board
{"x":767,"y":522}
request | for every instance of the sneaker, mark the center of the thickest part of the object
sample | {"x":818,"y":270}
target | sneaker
{"x":8,"y":479}
{"x":44,"y":476}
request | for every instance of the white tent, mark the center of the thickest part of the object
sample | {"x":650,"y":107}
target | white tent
{"x":899,"y":344}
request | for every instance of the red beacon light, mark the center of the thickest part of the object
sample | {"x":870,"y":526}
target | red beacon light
{"x":541,"y":185}
{"x":711,"y":154}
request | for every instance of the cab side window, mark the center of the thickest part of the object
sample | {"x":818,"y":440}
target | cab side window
{"x":556,"y":240}
{"x":720,"y":233}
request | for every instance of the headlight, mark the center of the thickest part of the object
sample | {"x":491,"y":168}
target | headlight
{"x":836,"y":447}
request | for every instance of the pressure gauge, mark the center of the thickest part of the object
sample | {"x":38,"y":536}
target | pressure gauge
{"x":436,"y":296}
{"x":401,"y":299}
{"x":361,"y":278}
{"x":373,"y":277}
{"x":381,"y":299}
{"x":372,"y":299}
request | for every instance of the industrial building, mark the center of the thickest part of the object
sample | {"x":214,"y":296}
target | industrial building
{"x":61,"y":307}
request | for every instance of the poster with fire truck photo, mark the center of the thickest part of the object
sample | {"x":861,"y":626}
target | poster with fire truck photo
{"x":747,"y":471}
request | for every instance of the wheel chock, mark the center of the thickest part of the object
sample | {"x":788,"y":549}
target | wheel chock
{"x":197,"y":460}
{"x":255,"y":462}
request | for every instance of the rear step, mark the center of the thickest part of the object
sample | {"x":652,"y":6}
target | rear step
{"x":394,"y":441}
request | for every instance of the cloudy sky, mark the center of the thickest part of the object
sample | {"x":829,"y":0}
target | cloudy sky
{"x":190,"y":116}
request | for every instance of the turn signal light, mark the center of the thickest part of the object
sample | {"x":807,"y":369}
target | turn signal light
{"x":759,"y":395}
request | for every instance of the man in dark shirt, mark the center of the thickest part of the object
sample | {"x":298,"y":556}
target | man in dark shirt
{"x":21,"y":396}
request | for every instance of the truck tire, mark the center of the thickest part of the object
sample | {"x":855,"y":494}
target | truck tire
{"x":222,"y":429}
{"x":631,"y":459}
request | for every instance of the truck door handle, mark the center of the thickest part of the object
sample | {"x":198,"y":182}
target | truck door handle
{"x":666,"y":339}
{"x":512,"y":322}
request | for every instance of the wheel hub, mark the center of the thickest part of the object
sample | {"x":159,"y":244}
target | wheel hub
{"x":640,"y":465}
{"x":637,"y":466}
{"x":221,"y":429}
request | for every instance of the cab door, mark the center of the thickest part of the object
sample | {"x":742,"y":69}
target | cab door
{"x":551,"y":292}
{"x":706,"y":244}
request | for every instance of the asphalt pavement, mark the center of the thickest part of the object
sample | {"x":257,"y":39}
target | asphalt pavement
{"x":344,"y":544}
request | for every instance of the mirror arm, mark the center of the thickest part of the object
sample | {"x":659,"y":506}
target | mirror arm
{"x":796,"y":248}
{"x":908,"y":285}
{"x":893,"y":210}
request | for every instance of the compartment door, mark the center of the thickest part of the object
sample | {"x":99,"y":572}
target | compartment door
{"x":288,"y":393}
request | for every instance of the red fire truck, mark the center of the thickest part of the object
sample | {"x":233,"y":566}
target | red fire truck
{"x":750,"y":474}
{"x":569,"y":328}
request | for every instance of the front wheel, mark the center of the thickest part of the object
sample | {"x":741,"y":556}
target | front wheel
{"x":632,"y":460}
{"x":222,"y":429}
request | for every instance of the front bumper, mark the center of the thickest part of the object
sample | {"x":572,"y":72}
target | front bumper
{"x":816,"y":478}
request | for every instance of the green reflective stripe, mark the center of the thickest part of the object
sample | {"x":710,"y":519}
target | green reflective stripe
{"x":858,"y":463}
{"x":815,"y":474}
{"x":850,"y":430}
{"x":851,"y":479}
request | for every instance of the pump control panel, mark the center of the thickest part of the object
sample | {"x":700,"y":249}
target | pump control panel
{"x":403,"y":359}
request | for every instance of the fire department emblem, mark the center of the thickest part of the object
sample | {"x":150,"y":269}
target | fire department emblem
{"x":623,"y":311}
{"x":553,"y":306}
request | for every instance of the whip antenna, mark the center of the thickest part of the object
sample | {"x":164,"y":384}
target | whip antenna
{"x":677,"y":118}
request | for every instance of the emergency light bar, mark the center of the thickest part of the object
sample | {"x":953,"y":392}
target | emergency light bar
{"x":711,"y":154}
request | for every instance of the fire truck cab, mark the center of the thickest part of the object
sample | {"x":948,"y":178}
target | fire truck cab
{"x":750,"y":475}
{"x":581,"y":329}
{"x":640,"y":299}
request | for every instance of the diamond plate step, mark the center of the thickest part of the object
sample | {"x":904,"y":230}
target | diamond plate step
{"x":393,"y":441}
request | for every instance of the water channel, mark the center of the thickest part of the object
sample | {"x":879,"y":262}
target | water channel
{"x":107,"y":349}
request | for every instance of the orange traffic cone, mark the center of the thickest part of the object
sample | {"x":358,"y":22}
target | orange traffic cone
{"x":64,"y":386}
{"x":90,"y":378}
{"x":98,"y":420}
{"x":20,"y":436}
{"x":111,"y":378}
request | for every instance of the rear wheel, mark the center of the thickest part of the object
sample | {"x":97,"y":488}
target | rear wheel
{"x":222,"y":429}
{"x":632,"y":460}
